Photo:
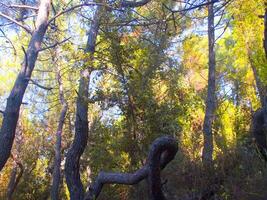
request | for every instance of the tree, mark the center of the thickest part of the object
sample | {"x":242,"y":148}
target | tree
{"x":11,"y":113}
{"x":210,"y":101}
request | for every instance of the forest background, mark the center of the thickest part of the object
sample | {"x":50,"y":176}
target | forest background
{"x":104,"y":79}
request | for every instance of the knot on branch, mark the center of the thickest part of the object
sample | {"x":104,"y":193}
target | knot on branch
{"x":162,"y":151}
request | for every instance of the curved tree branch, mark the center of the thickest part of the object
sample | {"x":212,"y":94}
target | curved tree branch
{"x":134,"y":4}
{"x":162,"y":151}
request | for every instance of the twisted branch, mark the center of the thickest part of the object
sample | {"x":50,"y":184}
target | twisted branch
{"x":162,"y":151}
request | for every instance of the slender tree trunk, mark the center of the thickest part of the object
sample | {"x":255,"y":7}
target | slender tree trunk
{"x":11,"y":113}
{"x":57,"y":161}
{"x":16,"y":175}
{"x":210,"y":101}
{"x":14,"y":178}
{"x":72,"y":165}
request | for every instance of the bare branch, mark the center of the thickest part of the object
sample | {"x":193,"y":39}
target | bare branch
{"x":16,"y":22}
{"x":54,"y":45}
{"x":40,"y":86}
{"x":77,"y":6}
{"x":192,"y":7}
{"x":133,"y":4}
{"x":15,"y":52}
{"x":225,"y":28}
{"x":21,"y":6}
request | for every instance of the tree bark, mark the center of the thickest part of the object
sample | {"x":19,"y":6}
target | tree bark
{"x":162,"y":151}
{"x":11,"y":113}
{"x":57,"y":161}
{"x":72,"y":165}
{"x":14,"y":177}
{"x":210,"y":101}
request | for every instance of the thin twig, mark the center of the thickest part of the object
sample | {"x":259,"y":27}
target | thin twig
{"x":77,"y":6}
{"x":192,"y":7}
{"x":15,"y":52}
{"x":54,"y":45}
{"x":38,"y":85}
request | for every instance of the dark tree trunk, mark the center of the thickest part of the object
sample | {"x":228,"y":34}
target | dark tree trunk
{"x":162,"y":151}
{"x":57,"y":161}
{"x":210,"y":101}
{"x":11,"y":113}
{"x":14,"y":178}
{"x":72,"y":165}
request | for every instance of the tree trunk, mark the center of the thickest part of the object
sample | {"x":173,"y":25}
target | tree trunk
{"x":14,"y":178}
{"x":259,"y":84}
{"x":210,"y":101}
{"x":11,"y":113}
{"x":57,"y":161}
{"x":72,"y":165}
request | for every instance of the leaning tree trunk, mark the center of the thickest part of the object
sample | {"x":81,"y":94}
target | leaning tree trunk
{"x":57,"y":161}
{"x":72,"y":165}
{"x":11,"y":113}
{"x":162,"y":151}
{"x":210,"y":101}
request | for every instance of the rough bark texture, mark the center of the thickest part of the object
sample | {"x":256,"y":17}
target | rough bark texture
{"x":57,"y":161}
{"x":163,"y":150}
{"x":210,"y":101}
{"x":72,"y":165}
{"x":11,"y":113}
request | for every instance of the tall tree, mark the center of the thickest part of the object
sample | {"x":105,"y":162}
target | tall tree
{"x":57,"y":161}
{"x":72,"y":166}
{"x":14,"y":101}
{"x":210,"y":100}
